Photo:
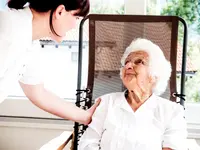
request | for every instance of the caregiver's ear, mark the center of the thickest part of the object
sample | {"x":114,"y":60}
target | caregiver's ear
{"x":60,"y":10}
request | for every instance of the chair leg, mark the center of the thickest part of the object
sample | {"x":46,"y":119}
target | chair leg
{"x":66,"y":142}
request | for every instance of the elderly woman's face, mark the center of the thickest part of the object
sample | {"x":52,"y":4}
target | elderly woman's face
{"x":135,"y":73}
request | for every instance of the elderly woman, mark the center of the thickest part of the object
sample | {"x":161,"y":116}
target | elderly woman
{"x":138,"y":119}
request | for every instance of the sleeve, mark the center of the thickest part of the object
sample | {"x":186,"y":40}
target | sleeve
{"x":92,"y":136}
{"x":4,"y":50}
{"x":6,"y":38}
{"x":33,"y":72}
{"x":175,"y":134}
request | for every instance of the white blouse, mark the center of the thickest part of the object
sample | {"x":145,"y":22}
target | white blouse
{"x":18,"y":58}
{"x":156,"y":124}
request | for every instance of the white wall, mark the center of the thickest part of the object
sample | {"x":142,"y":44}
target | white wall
{"x":137,"y":7}
{"x":29,"y":134}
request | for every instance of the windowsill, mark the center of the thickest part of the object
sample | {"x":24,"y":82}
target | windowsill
{"x":36,"y":123}
{"x":191,"y":113}
{"x":22,"y":107}
{"x":33,"y":117}
{"x":193,"y":129}
{"x":193,"y":120}
{"x":25,"y":98}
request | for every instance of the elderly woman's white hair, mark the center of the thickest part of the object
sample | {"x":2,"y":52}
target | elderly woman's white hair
{"x":159,"y":67}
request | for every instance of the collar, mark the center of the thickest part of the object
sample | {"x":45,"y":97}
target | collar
{"x":149,"y":104}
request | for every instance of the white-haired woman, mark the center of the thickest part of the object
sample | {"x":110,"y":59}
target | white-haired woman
{"x":138,"y":119}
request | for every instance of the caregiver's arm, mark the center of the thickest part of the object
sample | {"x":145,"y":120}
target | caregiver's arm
{"x":53,"y":104}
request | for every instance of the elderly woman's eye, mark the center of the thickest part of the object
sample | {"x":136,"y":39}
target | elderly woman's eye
{"x":139,"y":61}
{"x":127,"y":61}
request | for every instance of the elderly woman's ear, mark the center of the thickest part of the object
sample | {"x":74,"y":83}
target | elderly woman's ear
{"x":153,"y":80}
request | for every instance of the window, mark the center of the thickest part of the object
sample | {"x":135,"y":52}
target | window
{"x":192,"y":83}
{"x":107,"y":7}
{"x":154,"y":7}
{"x":3,"y":4}
{"x":193,"y":64}
{"x":74,"y":57}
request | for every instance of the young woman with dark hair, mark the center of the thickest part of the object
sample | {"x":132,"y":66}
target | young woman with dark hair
{"x":24,"y":22}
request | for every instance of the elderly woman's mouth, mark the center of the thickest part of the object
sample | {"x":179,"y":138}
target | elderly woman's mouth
{"x":130,"y":73}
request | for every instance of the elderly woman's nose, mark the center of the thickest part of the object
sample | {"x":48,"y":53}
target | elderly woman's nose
{"x":129,"y":65}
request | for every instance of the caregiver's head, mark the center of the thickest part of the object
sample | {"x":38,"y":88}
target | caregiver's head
{"x":62,"y":14}
{"x":145,"y":69}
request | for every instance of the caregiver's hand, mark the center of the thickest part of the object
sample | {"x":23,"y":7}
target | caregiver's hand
{"x":92,"y":110}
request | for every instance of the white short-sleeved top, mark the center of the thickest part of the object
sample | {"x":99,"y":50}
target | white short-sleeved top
{"x":156,"y":124}
{"x":18,"y":56}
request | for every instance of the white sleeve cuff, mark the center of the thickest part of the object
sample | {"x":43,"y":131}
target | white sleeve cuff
{"x":175,"y":144}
